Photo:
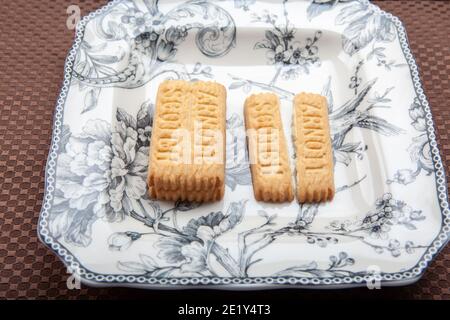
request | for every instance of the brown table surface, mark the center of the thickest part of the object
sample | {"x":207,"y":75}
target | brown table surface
{"x":34,"y":41}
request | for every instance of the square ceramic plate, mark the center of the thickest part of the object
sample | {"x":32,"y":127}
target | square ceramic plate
{"x":390,"y":215}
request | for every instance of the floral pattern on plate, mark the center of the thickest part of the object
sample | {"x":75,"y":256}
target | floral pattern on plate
{"x":96,"y":214}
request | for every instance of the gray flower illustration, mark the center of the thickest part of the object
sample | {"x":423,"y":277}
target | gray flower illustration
{"x":83,"y":179}
{"x":191,"y":254}
{"x":191,"y":250}
{"x":419,"y":149}
{"x":283,"y":50}
{"x":139,"y":22}
{"x":145,"y":134}
{"x":278,"y":55}
{"x":379,"y":231}
{"x":389,"y":212}
{"x":394,"y":248}
{"x":101,"y":174}
{"x":128,"y":169}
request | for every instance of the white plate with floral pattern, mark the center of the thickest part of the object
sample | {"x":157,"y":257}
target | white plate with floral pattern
{"x":390,"y":216}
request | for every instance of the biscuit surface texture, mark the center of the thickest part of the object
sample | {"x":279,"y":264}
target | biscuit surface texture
{"x":312,"y":143}
{"x":187,"y":150}
{"x":269,"y":160}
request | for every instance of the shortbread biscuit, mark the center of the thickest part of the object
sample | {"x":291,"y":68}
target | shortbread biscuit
{"x":197,"y":196}
{"x":187,"y":151}
{"x":269,"y":162}
{"x":311,"y":134}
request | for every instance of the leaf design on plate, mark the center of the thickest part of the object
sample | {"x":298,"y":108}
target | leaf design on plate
{"x":234,"y":216}
{"x":363,"y":25}
{"x":312,"y":269}
{"x":317,"y":7}
{"x":327,"y":92}
{"x":64,"y":138}
{"x":306,"y":214}
{"x":237,"y":166}
{"x":91,"y":99}
{"x":123,"y":116}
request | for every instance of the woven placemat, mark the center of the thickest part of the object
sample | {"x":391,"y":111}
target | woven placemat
{"x":34,"y":41}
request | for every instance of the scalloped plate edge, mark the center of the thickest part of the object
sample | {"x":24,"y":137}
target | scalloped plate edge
{"x":386,"y":279}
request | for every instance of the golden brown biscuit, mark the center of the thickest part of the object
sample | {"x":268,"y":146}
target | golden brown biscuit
{"x":198,"y":196}
{"x":187,"y":151}
{"x":312,"y":142}
{"x":269,"y":162}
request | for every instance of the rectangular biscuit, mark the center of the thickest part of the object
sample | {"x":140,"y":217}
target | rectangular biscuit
{"x":312,"y":141}
{"x":269,"y":161}
{"x":197,"y":196}
{"x":187,"y":151}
